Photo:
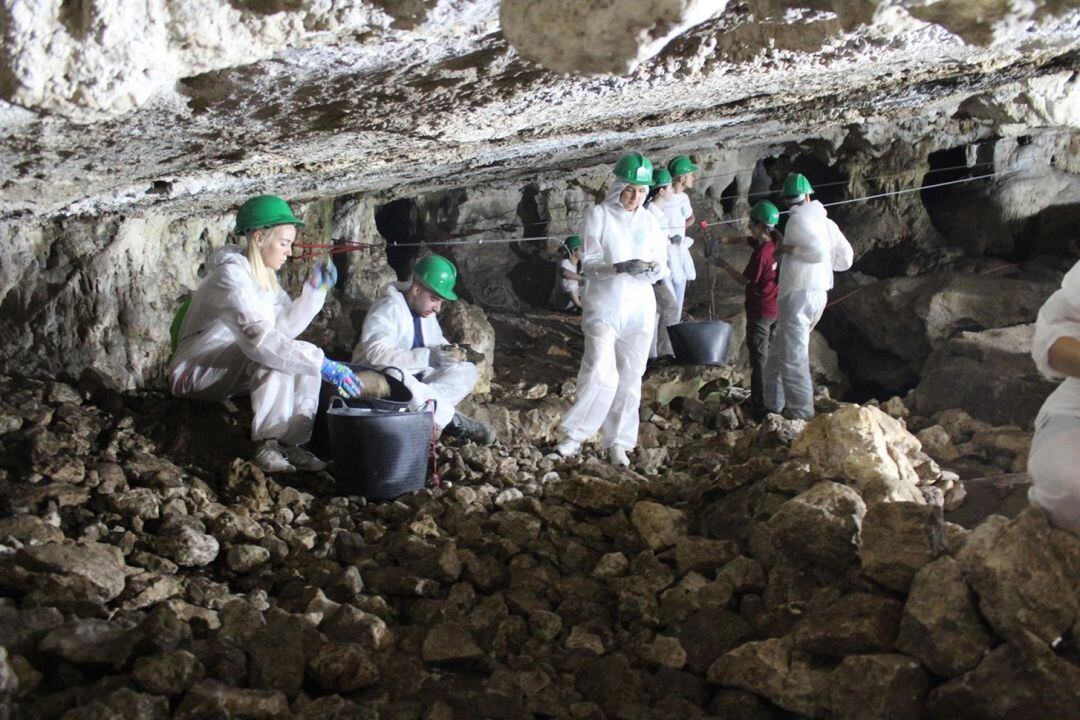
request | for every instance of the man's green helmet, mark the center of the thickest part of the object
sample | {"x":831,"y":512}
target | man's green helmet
{"x":660,"y":176}
{"x":765,"y":213}
{"x":437,"y":274}
{"x":681,"y":165}
{"x":264,"y":211}
{"x":796,"y":184}
{"x":573,"y":242}
{"x":635,"y":169}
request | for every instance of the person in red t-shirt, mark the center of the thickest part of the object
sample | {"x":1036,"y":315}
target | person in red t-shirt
{"x":760,"y":280}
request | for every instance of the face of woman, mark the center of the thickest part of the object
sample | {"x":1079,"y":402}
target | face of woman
{"x":665,"y":193}
{"x":759,"y":231}
{"x":275,"y":245}
{"x":632,"y":196}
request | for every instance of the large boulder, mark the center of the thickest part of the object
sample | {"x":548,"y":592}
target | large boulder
{"x":467,"y":324}
{"x":776,"y":671}
{"x":899,"y":538}
{"x":885,"y":687}
{"x":868,"y":449}
{"x":57,"y":574}
{"x":820,"y":527}
{"x":990,"y":374}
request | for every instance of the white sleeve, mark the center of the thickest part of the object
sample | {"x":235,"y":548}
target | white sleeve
{"x":659,"y":251}
{"x":377,"y":346}
{"x":804,"y":246}
{"x":294,"y":316}
{"x":256,"y":336}
{"x":594,"y":264}
{"x":842,"y":254}
{"x":1058,"y":317}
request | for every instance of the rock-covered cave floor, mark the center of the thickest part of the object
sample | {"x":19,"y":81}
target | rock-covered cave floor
{"x":738,"y":571}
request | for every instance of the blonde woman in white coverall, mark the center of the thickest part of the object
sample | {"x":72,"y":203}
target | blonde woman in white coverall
{"x":813,"y":246}
{"x":238,"y":336}
{"x":625,"y":252}
{"x":1054,"y":462}
{"x":402,"y":330}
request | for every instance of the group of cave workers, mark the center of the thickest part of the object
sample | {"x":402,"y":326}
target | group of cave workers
{"x":238,"y":336}
{"x":626,"y":273}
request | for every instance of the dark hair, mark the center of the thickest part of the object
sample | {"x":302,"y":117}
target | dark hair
{"x":653,"y":192}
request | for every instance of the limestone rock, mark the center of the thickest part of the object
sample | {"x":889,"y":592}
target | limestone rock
{"x":57,"y":573}
{"x":466,"y":324}
{"x":343,"y":668}
{"x":213,"y":697}
{"x":709,"y":633}
{"x":820,"y":526}
{"x":775,"y":670}
{"x":889,"y":687}
{"x":610,"y":682}
{"x":87,"y":642}
{"x":185,"y":545}
{"x":855,"y":624}
{"x":29,"y":530}
{"x":245,"y":558}
{"x":899,"y":538}
{"x":699,"y":554}
{"x":122,"y":703}
{"x":1023,"y":584}
{"x":450,"y":643}
{"x":940,"y":625}
{"x":168,"y":673}
{"x":866,"y":448}
{"x":658,"y":525}
{"x":593,"y":493}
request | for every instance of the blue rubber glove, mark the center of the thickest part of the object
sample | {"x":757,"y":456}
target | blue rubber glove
{"x":324,"y":276}
{"x":341,"y":377}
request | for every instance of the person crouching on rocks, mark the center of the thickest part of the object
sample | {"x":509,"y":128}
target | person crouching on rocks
{"x":759,"y":278}
{"x":1055,"y":448}
{"x":238,"y":337}
{"x":566,"y":295}
{"x":402,"y":331}
{"x":625,"y":253}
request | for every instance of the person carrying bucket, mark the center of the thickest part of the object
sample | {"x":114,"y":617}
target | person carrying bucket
{"x":812,"y":249}
{"x":566,"y":295}
{"x":661,"y":202}
{"x":238,"y":336}
{"x":625,"y":254}
{"x":759,"y":279}
{"x":402,"y":330}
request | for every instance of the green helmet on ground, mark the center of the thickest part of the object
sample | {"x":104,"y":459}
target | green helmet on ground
{"x":660,"y":176}
{"x":264,"y":211}
{"x":796,"y":184}
{"x":635,"y":169}
{"x":573,"y":242}
{"x":681,"y":165}
{"x":437,"y":274}
{"x":765,"y":213}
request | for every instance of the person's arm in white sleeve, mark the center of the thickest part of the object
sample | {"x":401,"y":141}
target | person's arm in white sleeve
{"x":659,"y":253}
{"x":1055,"y":348}
{"x":593,"y":262}
{"x":801,"y":244}
{"x":842,"y":254}
{"x":256,"y":336}
{"x":294,"y":316}
{"x":377,"y":346}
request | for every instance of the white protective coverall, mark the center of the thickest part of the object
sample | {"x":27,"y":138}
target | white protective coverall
{"x":668,"y":305}
{"x":1055,"y":449}
{"x":618,"y":319}
{"x":386,"y":340}
{"x":806,"y":276}
{"x":680,"y":261}
{"x":238,"y":339}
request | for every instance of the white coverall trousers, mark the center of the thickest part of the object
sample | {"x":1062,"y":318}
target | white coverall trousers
{"x":787,"y":371}
{"x":668,"y":314}
{"x":1054,"y":467}
{"x":679,"y":288}
{"x":283,"y":405}
{"x":609,"y":386}
{"x":447,"y":386}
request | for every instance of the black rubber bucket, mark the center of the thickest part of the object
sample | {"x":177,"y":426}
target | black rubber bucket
{"x":400,"y":397}
{"x":700,"y":343}
{"x":378,"y":453}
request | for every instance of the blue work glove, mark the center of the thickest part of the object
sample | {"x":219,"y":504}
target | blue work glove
{"x":341,"y":377}
{"x":324,"y":276}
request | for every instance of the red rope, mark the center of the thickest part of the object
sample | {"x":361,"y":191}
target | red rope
{"x":335,"y":247}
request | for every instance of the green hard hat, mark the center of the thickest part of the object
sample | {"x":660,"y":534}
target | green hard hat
{"x":765,"y":213}
{"x":264,"y":211}
{"x":660,"y":176}
{"x":573,"y":242}
{"x":437,"y":274}
{"x":796,"y":184}
{"x":635,"y":169}
{"x":681,"y":165}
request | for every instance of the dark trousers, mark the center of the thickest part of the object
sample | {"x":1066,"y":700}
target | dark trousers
{"x":758,"y":336}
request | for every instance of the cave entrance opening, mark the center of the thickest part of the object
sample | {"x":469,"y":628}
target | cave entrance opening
{"x":400,"y":225}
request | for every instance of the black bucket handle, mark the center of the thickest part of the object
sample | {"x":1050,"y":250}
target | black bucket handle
{"x":340,"y":403}
{"x":400,"y":372}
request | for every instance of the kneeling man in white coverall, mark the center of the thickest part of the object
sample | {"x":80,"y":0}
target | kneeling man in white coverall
{"x":813,"y":247}
{"x":402,"y":330}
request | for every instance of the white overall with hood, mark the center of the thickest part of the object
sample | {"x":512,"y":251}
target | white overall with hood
{"x":386,"y":340}
{"x":618,"y":319}
{"x":668,"y":306}
{"x":237,"y":338}
{"x":806,"y":276}
{"x":1055,"y":450}
{"x":680,"y":261}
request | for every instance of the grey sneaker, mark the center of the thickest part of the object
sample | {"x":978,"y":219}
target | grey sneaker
{"x":270,"y":457}
{"x":304,"y":460}
{"x":465,"y":428}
